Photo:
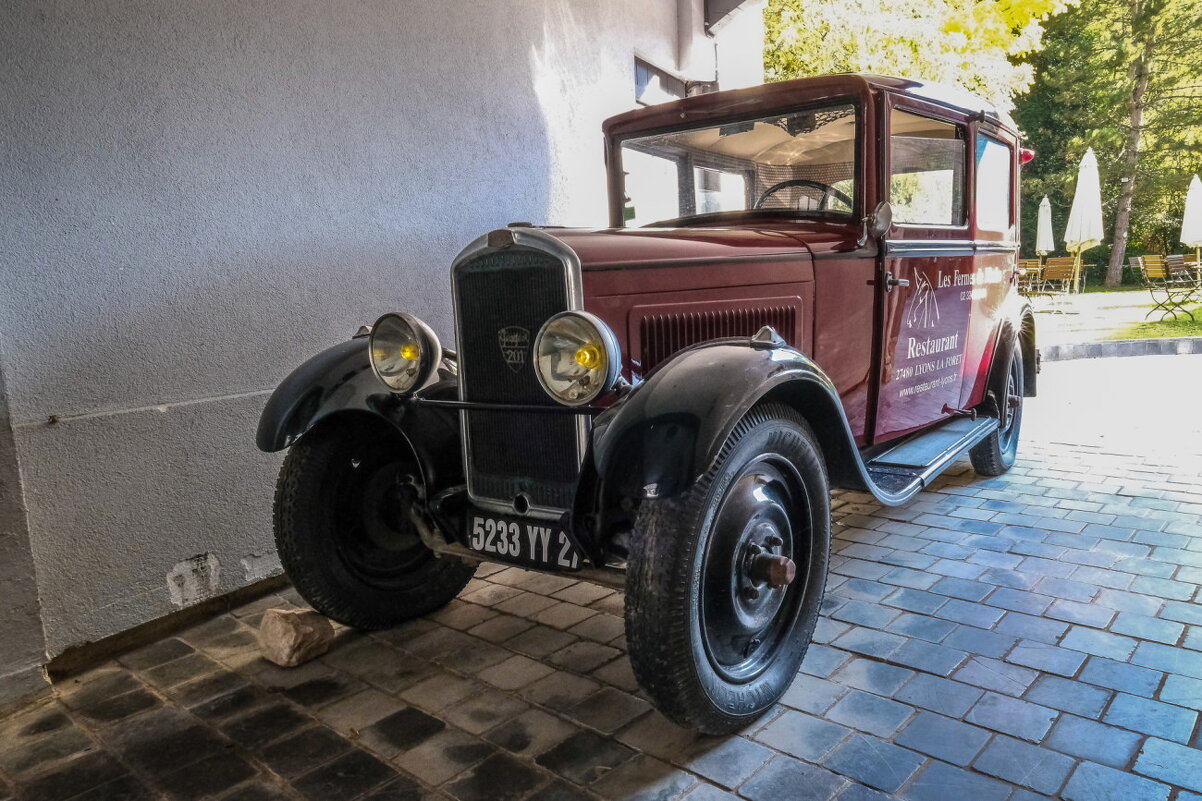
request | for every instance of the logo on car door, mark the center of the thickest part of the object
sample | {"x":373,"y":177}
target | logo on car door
{"x":924,"y":306}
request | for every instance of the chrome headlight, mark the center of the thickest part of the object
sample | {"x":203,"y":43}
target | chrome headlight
{"x":576,"y":357}
{"x":404,"y":351}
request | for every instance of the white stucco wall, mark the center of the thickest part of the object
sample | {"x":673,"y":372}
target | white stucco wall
{"x":198,"y":196}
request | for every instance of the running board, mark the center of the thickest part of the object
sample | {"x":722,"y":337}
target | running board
{"x":898,"y":474}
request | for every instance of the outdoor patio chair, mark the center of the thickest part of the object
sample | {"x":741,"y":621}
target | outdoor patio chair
{"x":1055,"y":281}
{"x":1180,"y":270}
{"x":1030,"y":276}
{"x":1058,"y":275}
{"x":1170,"y":294}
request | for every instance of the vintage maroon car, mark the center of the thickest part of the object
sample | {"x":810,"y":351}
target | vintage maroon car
{"x":805,"y":285}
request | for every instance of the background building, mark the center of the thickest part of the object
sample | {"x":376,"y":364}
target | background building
{"x":195,"y":197}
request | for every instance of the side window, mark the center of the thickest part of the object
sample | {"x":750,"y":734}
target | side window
{"x":718,"y":190}
{"x":926,"y":181}
{"x":650,"y":187}
{"x":993,"y":185}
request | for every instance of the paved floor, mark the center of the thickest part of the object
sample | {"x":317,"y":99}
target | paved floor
{"x":1034,"y":635}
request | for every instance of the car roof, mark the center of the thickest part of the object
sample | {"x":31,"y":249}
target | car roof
{"x":734,"y":102}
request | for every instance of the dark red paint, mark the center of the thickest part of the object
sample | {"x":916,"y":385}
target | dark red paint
{"x":861,"y":335}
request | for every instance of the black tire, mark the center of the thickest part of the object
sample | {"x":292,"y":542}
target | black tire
{"x":996,"y":453}
{"x":689,"y":620}
{"x":343,"y":534}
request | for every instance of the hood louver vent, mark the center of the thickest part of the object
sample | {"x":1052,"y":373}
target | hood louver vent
{"x":662,"y":333}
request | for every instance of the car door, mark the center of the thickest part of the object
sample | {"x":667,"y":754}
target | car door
{"x":927,"y":269}
{"x":995,"y":242}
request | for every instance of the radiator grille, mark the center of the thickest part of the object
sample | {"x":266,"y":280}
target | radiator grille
{"x":503,"y":298}
{"x":661,"y":335}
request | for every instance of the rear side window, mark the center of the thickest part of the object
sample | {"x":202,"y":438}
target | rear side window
{"x":993,"y":185}
{"x":926,"y":170}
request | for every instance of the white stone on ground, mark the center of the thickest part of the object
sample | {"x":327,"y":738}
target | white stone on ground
{"x":291,"y":637}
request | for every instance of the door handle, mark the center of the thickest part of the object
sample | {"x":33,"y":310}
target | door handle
{"x":891,"y":282}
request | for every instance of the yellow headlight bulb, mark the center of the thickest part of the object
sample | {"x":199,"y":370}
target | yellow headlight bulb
{"x":589,"y":356}
{"x":410,"y":352}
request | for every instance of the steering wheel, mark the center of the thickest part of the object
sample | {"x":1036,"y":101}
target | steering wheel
{"x":827,"y":191}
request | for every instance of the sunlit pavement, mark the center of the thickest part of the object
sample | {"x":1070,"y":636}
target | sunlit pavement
{"x":1094,"y":316}
{"x":1033,"y":635}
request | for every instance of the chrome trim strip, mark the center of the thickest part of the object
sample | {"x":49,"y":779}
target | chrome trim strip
{"x":903,"y":248}
{"x":534,"y":239}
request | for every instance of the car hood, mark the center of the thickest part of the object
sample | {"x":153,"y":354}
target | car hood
{"x":618,"y":248}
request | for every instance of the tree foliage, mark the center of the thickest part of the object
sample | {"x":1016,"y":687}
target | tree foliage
{"x":1069,"y":69}
{"x":1086,"y":77}
{"x":967,"y":43}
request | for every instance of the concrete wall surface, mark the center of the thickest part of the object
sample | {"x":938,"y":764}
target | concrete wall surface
{"x":195,"y":197}
{"x":22,"y":645}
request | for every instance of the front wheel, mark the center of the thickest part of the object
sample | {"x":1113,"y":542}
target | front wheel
{"x":996,"y":453}
{"x":344,"y":527}
{"x":725,"y":581}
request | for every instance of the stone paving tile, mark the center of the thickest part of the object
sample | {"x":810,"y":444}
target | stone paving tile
{"x":1068,"y":696}
{"x":1171,"y":763}
{"x":940,"y":782}
{"x":1091,"y":782}
{"x":1023,"y":764}
{"x":782,"y":777}
{"x":1029,"y":635}
{"x":874,"y":762}
{"x":1120,"y":676}
{"x":1151,"y":717}
{"x":443,"y":756}
{"x":950,"y":698}
{"x":1087,"y":739}
{"x":1012,"y":716}
{"x":943,"y":738}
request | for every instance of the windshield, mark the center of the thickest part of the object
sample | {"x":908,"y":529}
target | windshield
{"x":801,"y":163}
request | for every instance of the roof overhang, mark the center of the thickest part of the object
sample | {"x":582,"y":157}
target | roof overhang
{"x":720,"y":12}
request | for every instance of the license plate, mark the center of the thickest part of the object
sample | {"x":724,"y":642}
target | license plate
{"x":533,"y":542}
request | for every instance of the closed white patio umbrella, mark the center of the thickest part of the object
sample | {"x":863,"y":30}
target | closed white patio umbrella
{"x":1044,"y":244}
{"x":1191,"y":221}
{"x":1084,"y":229}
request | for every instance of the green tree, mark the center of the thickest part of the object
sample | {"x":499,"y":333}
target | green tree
{"x":967,"y":43}
{"x":1125,"y":77}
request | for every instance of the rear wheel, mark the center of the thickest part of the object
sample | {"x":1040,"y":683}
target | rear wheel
{"x":996,"y":453}
{"x":724,"y":582}
{"x":344,"y":527}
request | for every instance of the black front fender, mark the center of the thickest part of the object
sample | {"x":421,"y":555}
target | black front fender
{"x":668,"y":432}
{"x":337,"y":379}
{"x":339,"y":382}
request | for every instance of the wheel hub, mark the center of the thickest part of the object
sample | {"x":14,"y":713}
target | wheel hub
{"x":750,"y":572}
{"x":372,"y":502}
{"x":1012,"y":403}
{"x":775,"y":571}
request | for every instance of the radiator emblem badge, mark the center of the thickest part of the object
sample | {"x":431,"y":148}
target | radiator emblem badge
{"x":515,"y":343}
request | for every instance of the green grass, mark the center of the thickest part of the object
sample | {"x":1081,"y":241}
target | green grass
{"x":1181,"y":326}
{"x":1122,"y":288}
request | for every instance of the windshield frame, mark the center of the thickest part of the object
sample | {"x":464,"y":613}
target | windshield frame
{"x":617,"y":178}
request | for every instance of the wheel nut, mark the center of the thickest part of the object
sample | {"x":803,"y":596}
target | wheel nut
{"x":774,"y":542}
{"x":750,"y":593}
